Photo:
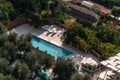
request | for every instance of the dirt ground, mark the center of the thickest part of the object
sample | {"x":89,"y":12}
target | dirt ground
{"x":117,"y":27}
{"x":101,"y":8}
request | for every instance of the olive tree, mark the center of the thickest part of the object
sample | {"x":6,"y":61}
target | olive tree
{"x":64,"y":69}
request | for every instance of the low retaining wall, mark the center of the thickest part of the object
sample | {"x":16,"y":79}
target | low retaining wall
{"x":78,"y":47}
{"x":61,"y":25}
{"x":93,"y":52}
{"x":92,"y":71}
{"x":17,"y":22}
{"x":85,"y":50}
{"x":23,"y":20}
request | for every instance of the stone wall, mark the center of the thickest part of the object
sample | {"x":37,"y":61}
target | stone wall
{"x":16,"y":23}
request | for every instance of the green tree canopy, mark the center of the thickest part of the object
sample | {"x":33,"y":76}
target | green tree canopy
{"x":22,"y":71}
{"x":102,"y":38}
{"x":2,"y":29}
{"x":8,"y":77}
{"x":116,"y":11}
{"x":5,"y":9}
{"x":77,"y":76}
{"x":64,"y":69}
{"x":3,"y":65}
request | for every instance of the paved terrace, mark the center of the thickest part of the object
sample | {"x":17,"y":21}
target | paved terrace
{"x":55,"y":38}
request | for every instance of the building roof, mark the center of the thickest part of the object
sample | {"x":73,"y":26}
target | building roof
{"x":87,"y":4}
{"x":113,"y":63}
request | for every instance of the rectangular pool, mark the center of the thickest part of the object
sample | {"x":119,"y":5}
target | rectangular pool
{"x":50,"y":48}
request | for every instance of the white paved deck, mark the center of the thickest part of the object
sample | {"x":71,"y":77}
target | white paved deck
{"x":104,"y":74}
{"x":77,"y":55}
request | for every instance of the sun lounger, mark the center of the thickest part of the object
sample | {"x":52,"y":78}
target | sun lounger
{"x":52,"y":26}
{"x":60,"y":32}
{"x":50,"y":29}
{"x":45,"y":27}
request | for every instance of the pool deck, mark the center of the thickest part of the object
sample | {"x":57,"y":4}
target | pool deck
{"x":55,"y":38}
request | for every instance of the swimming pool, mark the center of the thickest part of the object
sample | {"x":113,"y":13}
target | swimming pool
{"x":51,"y":49}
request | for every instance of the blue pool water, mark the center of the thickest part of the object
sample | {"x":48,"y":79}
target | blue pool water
{"x":49,"y":47}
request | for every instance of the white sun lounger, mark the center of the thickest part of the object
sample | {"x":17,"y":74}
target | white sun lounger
{"x":46,"y":27}
{"x":50,"y":29}
{"x":59,"y":32}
